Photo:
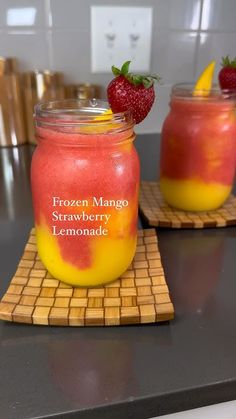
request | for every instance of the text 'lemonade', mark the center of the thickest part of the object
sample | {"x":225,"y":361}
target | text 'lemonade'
{"x":198,"y":149}
{"x":85,"y":180}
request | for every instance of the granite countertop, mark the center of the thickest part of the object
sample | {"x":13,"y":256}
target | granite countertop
{"x":129,"y":371}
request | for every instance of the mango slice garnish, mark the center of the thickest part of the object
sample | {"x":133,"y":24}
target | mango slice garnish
{"x":103,"y":116}
{"x":100,"y":129}
{"x":204,"y":82}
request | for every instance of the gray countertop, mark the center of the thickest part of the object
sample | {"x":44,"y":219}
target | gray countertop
{"x":130,"y":371}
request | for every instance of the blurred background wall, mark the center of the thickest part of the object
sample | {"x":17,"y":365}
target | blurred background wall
{"x":55,"y":35}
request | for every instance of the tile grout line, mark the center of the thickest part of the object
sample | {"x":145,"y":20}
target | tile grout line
{"x":48,"y":30}
{"x":197,"y":47}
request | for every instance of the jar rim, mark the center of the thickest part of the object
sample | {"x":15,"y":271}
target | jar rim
{"x":185,"y":91}
{"x":81,"y":112}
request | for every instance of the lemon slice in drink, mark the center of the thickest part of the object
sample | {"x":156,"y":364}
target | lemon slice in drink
{"x":204,"y":82}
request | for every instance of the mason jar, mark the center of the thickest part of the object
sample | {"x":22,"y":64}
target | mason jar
{"x":85,"y":182}
{"x":198,"y":137}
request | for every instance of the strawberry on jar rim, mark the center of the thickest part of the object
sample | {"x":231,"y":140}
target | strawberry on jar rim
{"x":133,"y":92}
{"x":227,"y":75}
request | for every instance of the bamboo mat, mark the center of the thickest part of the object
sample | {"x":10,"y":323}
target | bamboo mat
{"x":141,"y":295}
{"x":159,"y":214}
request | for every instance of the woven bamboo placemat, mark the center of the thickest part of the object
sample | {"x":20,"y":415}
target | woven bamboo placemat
{"x":159,"y":214}
{"x":141,"y":295}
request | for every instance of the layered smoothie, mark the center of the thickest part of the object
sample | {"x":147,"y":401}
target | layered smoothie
{"x":198,"y":151}
{"x":85,"y":179}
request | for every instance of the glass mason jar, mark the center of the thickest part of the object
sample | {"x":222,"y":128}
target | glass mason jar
{"x":198,"y":149}
{"x":85,"y":182}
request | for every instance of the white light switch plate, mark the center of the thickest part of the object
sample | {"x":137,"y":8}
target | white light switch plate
{"x":119,"y":34}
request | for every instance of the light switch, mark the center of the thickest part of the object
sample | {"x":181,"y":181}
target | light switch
{"x":119,"y":34}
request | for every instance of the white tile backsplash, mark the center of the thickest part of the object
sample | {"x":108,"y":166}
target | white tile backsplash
{"x":219,"y":15}
{"x":178,"y":14}
{"x":70,"y":53}
{"x":77,"y":15}
{"x":55,"y":34}
{"x":31,"y":47}
{"x":174,"y":55}
{"x":22,"y":14}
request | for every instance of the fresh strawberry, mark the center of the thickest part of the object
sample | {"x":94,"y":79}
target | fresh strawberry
{"x":133,"y":92}
{"x":227,"y":75}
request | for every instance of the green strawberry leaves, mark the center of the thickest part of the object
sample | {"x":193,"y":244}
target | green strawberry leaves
{"x":137,"y":79}
{"x":227,"y":62}
{"x":115,"y":71}
{"x":124,"y":71}
{"x":125,"y":68}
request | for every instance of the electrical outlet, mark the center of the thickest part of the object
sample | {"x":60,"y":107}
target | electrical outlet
{"x":119,"y":34}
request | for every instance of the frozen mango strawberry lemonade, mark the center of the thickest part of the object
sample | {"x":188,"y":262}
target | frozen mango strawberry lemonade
{"x":85,"y":181}
{"x":198,"y":146}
